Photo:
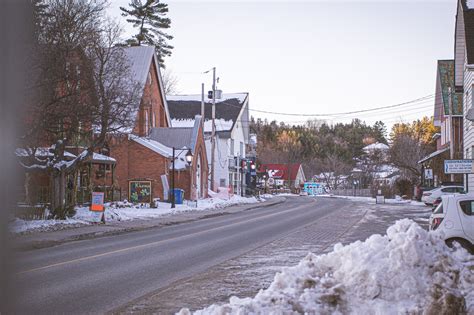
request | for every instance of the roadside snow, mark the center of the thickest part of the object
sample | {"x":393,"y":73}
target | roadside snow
{"x":396,"y":200}
{"x":22,"y":226}
{"x":124,"y":211}
{"x":407,"y":271}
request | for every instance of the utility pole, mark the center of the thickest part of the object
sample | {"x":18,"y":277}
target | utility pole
{"x":202,"y":106}
{"x":213,"y":135}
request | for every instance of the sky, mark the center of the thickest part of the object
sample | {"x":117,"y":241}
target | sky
{"x":312,"y":57}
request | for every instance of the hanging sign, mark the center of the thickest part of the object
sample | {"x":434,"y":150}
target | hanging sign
{"x":458,"y":167}
{"x":97,"y":203}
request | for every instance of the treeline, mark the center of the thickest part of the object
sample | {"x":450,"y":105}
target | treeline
{"x":321,"y":147}
{"x":338,"y":148}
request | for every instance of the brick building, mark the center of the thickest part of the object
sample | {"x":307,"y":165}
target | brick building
{"x":144,"y":153}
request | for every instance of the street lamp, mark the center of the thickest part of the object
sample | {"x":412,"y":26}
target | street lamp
{"x":189,"y":159}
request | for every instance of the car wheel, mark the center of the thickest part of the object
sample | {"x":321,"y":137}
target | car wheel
{"x":464,"y":243}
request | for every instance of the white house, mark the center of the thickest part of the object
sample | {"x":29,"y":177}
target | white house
{"x":463,"y":74}
{"x":232,"y":133}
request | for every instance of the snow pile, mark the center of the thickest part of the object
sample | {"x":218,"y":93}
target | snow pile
{"x":407,"y":271}
{"x":20,"y":226}
{"x":125,"y":211}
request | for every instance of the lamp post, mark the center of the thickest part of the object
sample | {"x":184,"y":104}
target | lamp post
{"x":189,"y":159}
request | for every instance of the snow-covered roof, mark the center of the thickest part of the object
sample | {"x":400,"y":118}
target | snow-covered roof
{"x":40,"y":152}
{"x":140,"y":59}
{"x":183,"y":109}
{"x":161,"y":149}
{"x":197,"y":97}
{"x":221,"y":124}
{"x":178,"y":137}
{"x":376,"y":146}
{"x":97,"y":157}
{"x":432,"y":155}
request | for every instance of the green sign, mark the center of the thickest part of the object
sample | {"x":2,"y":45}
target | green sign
{"x":139,"y":191}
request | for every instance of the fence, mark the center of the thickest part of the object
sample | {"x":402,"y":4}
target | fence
{"x":365,"y":192}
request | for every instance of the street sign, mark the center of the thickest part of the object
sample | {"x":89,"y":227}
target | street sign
{"x":97,"y":203}
{"x":458,"y":167}
{"x":428,"y":173}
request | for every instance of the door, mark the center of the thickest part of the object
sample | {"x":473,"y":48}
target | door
{"x":467,"y":218}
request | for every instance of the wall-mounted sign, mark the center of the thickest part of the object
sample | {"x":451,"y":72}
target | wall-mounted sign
{"x":139,"y":191}
{"x":428,"y":173}
{"x":97,"y":203}
{"x":458,"y":167}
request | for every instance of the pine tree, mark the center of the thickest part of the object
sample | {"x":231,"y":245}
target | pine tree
{"x":150,"y":19}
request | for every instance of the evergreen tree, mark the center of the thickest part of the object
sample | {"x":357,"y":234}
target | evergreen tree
{"x":150,"y":19}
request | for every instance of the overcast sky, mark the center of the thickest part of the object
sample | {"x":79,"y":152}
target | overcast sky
{"x":312,"y":57}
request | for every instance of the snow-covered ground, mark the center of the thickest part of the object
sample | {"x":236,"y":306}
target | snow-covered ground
{"x":407,"y":271}
{"x":123,"y":211}
{"x":396,"y":200}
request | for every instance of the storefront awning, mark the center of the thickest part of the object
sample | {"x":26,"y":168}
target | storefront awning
{"x":432,"y":155}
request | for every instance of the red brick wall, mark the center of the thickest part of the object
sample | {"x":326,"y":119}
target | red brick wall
{"x":135,"y":161}
{"x":151,"y":104}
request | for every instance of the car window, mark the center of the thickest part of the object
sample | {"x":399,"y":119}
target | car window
{"x":447,"y":189}
{"x":439,"y":208}
{"x":466,"y":206}
{"x":460,"y":189}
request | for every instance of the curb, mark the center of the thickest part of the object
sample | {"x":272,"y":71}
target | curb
{"x":39,"y":244}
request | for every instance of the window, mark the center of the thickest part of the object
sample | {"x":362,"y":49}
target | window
{"x":153,"y":123}
{"x":149,"y":78}
{"x":241,"y":149}
{"x":448,"y":190}
{"x":439,"y":209}
{"x":146,"y":122}
{"x":78,"y":78}
{"x":232,"y":147}
{"x":466,"y":206}
{"x":222,"y":182}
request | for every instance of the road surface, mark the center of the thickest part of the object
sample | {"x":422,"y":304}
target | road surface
{"x":99,"y":275}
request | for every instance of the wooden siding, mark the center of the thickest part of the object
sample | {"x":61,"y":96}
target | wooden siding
{"x":459,"y":48}
{"x":468,"y":125}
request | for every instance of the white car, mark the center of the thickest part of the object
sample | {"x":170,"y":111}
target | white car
{"x":430,"y":196}
{"x":455,"y":217}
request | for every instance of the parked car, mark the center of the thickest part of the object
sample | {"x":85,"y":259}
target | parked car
{"x":436,"y":202}
{"x":455,"y":217}
{"x":303,"y":193}
{"x":430,"y":196}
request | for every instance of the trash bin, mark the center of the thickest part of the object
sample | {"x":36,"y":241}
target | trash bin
{"x":178,"y":196}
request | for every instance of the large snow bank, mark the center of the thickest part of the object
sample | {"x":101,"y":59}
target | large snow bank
{"x":407,"y":271}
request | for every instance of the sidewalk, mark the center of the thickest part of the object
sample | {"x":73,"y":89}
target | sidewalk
{"x":37,"y":240}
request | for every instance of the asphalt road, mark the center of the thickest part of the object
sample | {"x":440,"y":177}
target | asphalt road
{"x":98,"y":275}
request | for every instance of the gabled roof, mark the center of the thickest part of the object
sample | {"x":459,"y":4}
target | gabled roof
{"x":140,"y":59}
{"x":280,"y":171}
{"x":183,"y":109}
{"x":445,"y":81}
{"x":178,"y":138}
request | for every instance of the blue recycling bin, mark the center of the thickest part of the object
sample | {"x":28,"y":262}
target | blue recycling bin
{"x":178,"y":196}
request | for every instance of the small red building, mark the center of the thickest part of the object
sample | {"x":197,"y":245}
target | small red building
{"x":284,"y":175}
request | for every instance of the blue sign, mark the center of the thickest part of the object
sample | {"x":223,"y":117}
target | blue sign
{"x":314,"y":189}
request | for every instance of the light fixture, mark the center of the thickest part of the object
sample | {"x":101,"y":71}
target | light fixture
{"x":189,"y":157}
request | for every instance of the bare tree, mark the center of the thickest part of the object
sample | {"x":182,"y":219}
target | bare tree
{"x":83,"y":91}
{"x":334,"y":169}
{"x":170,"y":82}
